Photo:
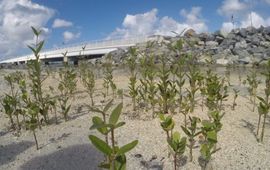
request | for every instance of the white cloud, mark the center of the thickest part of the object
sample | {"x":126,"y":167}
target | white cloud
{"x":232,"y":7}
{"x":267,"y":1}
{"x":257,"y":21}
{"x":149,"y":23}
{"x":68,"y":36}
{"x":227,"y":27}
{"x":61,"y":23}
{"x":16,"y":18}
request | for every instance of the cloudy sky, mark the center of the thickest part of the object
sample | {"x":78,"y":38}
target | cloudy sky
{"x":72,"y":21}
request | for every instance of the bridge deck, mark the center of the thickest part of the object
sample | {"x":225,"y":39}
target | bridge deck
{"x":90,"y":48}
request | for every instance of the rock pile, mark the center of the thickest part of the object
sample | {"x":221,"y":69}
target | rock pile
{"x":240,"y":46}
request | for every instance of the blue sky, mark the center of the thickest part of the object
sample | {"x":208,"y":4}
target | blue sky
{"x":73,"y":21}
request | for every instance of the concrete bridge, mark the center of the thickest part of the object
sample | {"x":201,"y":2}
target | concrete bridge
{"x":89,"y":50}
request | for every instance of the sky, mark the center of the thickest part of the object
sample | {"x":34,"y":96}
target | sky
{"x":66,"y":22}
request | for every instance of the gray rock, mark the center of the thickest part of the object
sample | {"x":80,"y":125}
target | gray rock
{"x":242,"y":44}
{"x":241,"y":53}
{"x":211,"y":43}
{"x":265,"y":44}
{"x":243,"y":32}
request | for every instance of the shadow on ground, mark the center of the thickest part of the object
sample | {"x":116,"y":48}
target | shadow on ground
{"x":82,"y":157}
{"x":9,"y":152}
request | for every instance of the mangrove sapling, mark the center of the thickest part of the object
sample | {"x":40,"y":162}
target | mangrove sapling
{"x":131,"y":62}
{"x":179,"y":66}
{"x":8,"y":103}
{"x":228,"y":74}
{"x":108,"y":76}
{"x":103,"y":112}
{"x":193,"y":77}
{"x":67,"y":86}
{"x":37,"y":78}
{"x":120,"y":93}
{"x":176,"y":143}
{"x":143,"y":80}
{"x":32,"y":122}
{"x":210,"y":130}
{"x":11,"y":102}
{"x":264,"y":105}
{"x":235,"y":95}
{"x":151,"y":84}
{"x":215,"y":90}
{"x":88,"y":80}
{"x":165,"y":86}
{"x":115,"y":155}
{"x":252,"y":86}
{"x":185,"y":108}
{"x":191,"y":132}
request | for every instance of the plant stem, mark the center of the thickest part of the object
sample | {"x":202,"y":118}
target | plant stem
{"x":34,"y":133}
{"x":113,"y":148}
{"x":175,"y":161}
{"x":264,"y":120}
{"x":258,"y":127}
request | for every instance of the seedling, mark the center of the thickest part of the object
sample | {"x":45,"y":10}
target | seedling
{"x":131,"y":62}
{"x":191,"y":132}
{"x":103,"y":112}
{"x":66,"y":87}
{"x":108,"y":76}
{"x":115,"y":155}
{"x":88,"y":80}
{"x":253,"y":85}
{"x":176,"y":143}
{"x":193,"y":77}
{"x":185,"y":109}
{"x":37,"y":78}
{"x":235,"y":95}
{"x":209,"y":131}
{"x":166,"y":88}
{"x":11,"y":103}
{"x":264,"y":104}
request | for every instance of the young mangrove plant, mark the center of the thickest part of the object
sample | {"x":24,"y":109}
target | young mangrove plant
{"x":11,"y":101}
{"x":192,"y":132}
{"x":176,"y":143}
{"x":88,"y":80}
{"x":133,"y":89}
{"x":31,"y":111}
{"x":210,"y":129}
{"x":167,"y":89}
{"x":108,"y":76}
{"x":264,"y":104}
{"x":37,"y":78}
{"x":67,"y":86}
{"x":115,"y":155}
{"x":235,"y":95}
{"x":193,"y":77}
{"x":252,"y":86}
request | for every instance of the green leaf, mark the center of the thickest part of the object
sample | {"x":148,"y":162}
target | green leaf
{"x":116,"y":114}
{"x":100,"y":145}
{"x":32,"y":49}
{"x":124,"y":149}
{"x":40,"y":45}
{"x":119,"y":124}
{"x":186,"y":131}
{"x":212,"y":136}
{"x":35,"y":31}
{"x":108,"y":105}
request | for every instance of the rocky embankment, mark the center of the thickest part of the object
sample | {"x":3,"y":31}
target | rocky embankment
{"x":240,"y":46}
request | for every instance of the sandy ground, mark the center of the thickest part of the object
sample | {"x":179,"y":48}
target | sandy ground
{"x":66,"y":146}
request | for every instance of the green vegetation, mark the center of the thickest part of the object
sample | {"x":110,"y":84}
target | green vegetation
{"x":115,"y":155}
